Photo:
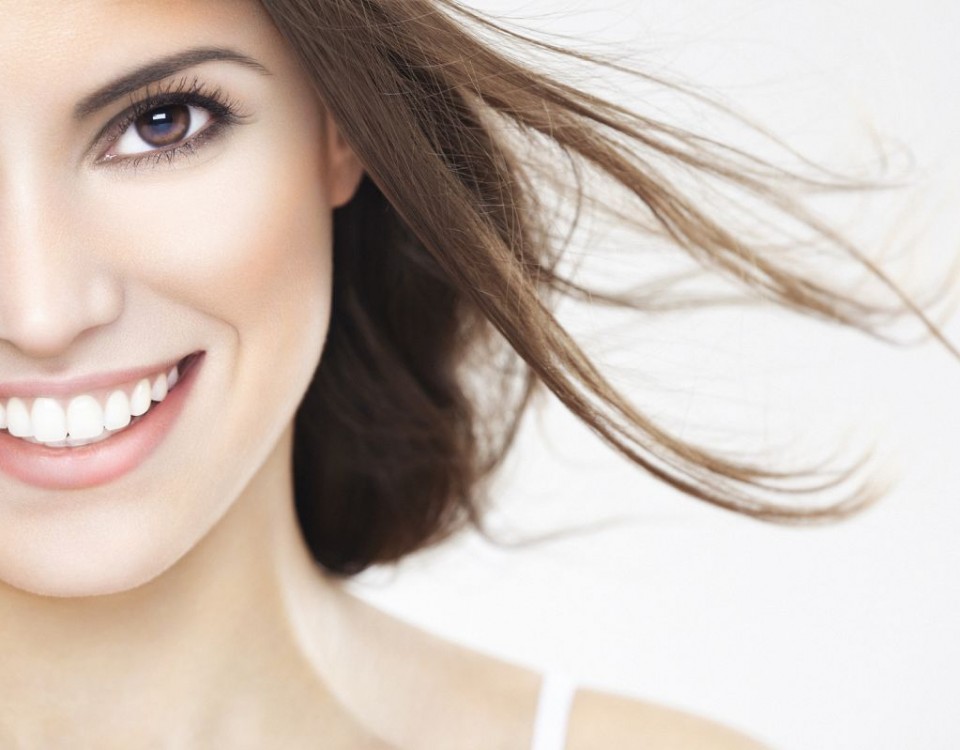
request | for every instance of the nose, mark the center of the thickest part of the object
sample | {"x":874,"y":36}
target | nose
{"x":53,"y":289}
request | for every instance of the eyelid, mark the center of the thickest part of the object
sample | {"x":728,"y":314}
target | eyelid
{"x":224,"y":112}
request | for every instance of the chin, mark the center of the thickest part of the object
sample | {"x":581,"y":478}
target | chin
{"x":84,"y":567}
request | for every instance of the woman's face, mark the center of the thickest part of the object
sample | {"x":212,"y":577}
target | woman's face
{"x":202,"y":225}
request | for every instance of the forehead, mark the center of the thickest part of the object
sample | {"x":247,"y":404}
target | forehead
{"x":91,"y":21}
{"x":71,"y":45}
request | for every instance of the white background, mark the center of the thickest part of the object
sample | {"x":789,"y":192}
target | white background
{"x":823,"y":637}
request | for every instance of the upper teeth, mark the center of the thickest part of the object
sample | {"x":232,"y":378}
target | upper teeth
{"x":84,"y":418}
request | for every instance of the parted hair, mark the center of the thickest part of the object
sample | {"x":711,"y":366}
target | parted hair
{"x":445,"y":260}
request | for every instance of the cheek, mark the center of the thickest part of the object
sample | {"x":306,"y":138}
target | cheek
{"x":238,"y":239}
{"x":239,"y":249}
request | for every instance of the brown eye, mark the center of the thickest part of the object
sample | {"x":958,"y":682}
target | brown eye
{"x":161,"y":127}
{"x":164,"y":126}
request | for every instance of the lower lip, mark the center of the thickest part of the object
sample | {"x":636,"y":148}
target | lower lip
{"x":97,"y":463}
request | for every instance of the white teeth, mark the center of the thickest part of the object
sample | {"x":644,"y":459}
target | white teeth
{"x":117,"y":413}
{"x":49,"y":420}
{"x":159,"y":390}
{"x":18,"y":419}
{"x":58,"y":424}
{"x":140,"y":399}
{"x":84,"y":418}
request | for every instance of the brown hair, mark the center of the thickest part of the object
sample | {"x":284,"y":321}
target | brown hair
{"x":446,"y":251}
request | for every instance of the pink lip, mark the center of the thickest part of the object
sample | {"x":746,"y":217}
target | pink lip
{"x":76,"y":386}
{"x":98,"y":463}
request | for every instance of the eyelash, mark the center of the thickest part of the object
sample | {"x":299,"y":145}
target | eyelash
{"x":224,"y":114}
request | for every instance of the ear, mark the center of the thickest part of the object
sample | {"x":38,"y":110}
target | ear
{"x":345,"y":169}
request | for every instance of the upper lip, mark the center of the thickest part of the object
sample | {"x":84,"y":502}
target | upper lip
{"x":82,"y":383}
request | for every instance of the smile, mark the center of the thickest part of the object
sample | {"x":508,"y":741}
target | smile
{"x":76,"y":441}
{"x":86,"y":418}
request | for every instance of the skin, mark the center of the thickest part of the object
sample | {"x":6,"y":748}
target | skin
{"x":178,"y":606}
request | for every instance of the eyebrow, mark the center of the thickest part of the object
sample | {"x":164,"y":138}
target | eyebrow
{"x":157,"y":70}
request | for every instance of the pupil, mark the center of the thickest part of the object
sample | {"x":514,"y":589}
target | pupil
{"x":164,"y":125}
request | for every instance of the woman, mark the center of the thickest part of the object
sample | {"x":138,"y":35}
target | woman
{"x":251,"y":253}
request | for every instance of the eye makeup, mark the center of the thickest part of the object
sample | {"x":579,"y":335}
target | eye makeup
{"x":185,"y":92}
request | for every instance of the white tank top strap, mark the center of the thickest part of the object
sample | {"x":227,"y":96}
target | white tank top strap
{"x":553,"y":710}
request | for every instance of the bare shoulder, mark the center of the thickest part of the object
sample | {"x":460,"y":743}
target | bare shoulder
{"x":604,"y":720}
{"x":427,"y":691}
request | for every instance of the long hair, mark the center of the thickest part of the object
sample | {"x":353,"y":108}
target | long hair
{"x":445,"y":260}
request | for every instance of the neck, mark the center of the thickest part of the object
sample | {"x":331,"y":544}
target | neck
{"x":185,"y":649}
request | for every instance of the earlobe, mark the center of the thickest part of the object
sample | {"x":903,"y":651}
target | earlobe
{"x":345,"y":168}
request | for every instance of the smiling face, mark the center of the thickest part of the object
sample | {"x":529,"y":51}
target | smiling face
{"x":133,"y":234}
